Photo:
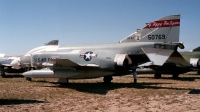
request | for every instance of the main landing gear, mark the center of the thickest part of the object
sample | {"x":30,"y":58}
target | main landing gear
{"x":28,"y":79}
{"x":28,"y":69}
{"x":134,"y":75}
{"x":107,"y":79}
{"x":175,"y":75}
{"x":198,"y":72}
{"x":63,"y":81}
{"x":2,"y":72}
{"x":158,"y":76}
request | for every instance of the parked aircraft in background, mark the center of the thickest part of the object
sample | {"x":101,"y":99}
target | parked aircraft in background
{"x":8,"y":62}
{"x":193,"y":57}
{"x":152,"y":45}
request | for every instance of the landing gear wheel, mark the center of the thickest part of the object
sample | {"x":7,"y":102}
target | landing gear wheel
{"x":175,"y":76}
{"x":157,"y":76}
{"x":28,"y":79}
{"x":107,"y":79}
{"x":198,"y":72}
{"x":3,"y":74}
{"x":63,"y":81}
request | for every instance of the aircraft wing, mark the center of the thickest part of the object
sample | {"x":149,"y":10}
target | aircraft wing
{"x":177,"y":57}
{"x":5,"y":62}
{"x":160,"y":56}
{"x":63,"y":62}
{"x":5,"y":65}
{"x":68,"y":63}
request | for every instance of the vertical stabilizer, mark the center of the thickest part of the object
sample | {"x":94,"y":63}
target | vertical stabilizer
{"x":165,"y":29}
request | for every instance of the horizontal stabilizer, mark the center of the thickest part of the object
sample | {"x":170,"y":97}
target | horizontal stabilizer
{"x":160,"y":56}
{"x":177,"y":57}
{"x":157,"y":56}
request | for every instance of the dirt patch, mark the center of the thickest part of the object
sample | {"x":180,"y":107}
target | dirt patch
{"x":149,"y":94}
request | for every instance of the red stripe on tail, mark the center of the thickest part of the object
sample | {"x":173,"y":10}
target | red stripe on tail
{"x":163,"y":23}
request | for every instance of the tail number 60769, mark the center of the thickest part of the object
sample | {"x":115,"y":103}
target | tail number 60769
{"x":156,"y":37}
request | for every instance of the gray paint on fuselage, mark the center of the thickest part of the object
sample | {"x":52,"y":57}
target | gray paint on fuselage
{"x":105,"y":53}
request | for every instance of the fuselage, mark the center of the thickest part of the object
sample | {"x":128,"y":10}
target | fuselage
{"x":102,"y":54}
{"x":93,"y":60}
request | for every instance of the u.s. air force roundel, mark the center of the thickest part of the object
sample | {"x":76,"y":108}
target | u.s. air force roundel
{"x":88,"y":55}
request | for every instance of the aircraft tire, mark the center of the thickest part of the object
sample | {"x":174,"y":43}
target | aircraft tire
{"x":65,"y":83}
{"x":28,"y":79}
{"x":175,"y":75}
{"x":3,"y":74}
{"x":157,"y":76}
{"x":107,"y":79}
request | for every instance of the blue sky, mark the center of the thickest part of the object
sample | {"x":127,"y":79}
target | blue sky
{"x":26,"y":24}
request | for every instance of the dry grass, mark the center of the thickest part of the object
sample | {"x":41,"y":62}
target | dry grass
{"x":122,"y":95}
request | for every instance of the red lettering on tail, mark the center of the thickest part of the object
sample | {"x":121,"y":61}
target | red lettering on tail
{"x":163,"y":23}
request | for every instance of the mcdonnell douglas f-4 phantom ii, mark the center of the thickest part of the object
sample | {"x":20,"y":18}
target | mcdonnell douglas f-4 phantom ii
{"x":152,"y":45}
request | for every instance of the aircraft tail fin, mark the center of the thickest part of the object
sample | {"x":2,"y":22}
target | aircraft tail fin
{"x":52,"y":42}
{"x":165,"y":29}
{"x":196,"y":49}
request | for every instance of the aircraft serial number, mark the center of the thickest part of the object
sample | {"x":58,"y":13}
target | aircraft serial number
{"x":155,"y":37}
{"x":41,"y":59}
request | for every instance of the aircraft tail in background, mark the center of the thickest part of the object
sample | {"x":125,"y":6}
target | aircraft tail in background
{"x":196,"y":49}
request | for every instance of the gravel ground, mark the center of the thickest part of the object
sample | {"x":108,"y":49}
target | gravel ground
{"x":88,"y":95}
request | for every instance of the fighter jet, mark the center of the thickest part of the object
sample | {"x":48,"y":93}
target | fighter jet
{"x":151,"y":45}
{"x":10,"y":63}
{"x":6,"y":64}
